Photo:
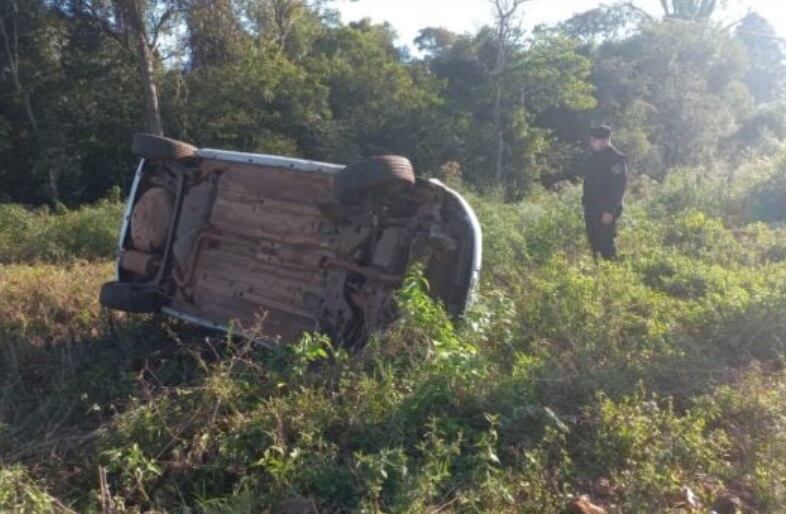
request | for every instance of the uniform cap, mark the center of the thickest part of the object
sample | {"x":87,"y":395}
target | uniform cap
{"x":601,"y":132}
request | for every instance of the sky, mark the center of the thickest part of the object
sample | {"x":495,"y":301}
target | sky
{"x":409,"y":16}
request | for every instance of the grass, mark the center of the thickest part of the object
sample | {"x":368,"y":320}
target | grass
{"x":20,"y":494}
{"x":661,"y":373}
{"x":42,"y":236}
{"x":50,"y":303}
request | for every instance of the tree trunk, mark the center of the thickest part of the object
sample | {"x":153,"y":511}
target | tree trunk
{"x":12,"y":52}
{"x":499,"y":67}
{"x":504,"y":12}
{"x":500,"y":137}
{"x":147,"y":76}
{"x":136,"y":24}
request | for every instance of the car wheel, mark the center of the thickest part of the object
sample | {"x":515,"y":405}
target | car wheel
{"x":125,"y":296}
{"x":160,"y":148}
{"x":389,"y":174}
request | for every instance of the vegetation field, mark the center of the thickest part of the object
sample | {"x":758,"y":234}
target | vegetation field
{"x":653,"y":384}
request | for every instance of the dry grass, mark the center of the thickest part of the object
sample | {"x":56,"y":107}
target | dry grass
{"x":49,"y":302}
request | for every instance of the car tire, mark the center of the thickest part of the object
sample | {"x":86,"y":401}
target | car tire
{"x":129,"y":297}
{"x":160,"y":148}
{"x":389,"y":174}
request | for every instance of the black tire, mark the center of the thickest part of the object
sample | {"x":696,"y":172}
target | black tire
{"x":160,"y":148}
{"x":388,"y":174}
{"x":128,"y":297}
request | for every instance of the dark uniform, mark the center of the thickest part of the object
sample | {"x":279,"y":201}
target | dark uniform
{"x":605,"y":180}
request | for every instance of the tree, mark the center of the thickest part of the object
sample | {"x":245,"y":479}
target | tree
{"x":604,"y":23}
{"x":377,"y":102}
{"x":77,"y":77}
{"x":433,"y":41}
{"x":18,"y":30}
{"x":137,"y":24}
{"x":9,"y":30}
{"x":84,"y":96}
{"x":767,"y":73}
{"x":291,"y":25}
{"x":690,"y":10}
{"x":261,"y":103}
{"x":133,"y":12}
{"x":543,"y":73}
{"x":507,"y":32}
{"x":674,"y":92}
{"x":10,"y":33}
{"x":215,"y":36}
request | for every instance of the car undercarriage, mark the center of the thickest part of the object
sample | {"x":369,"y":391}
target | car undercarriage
{"x":280,"y":246}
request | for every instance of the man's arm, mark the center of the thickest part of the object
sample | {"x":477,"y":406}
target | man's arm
{"x":618,"y":183}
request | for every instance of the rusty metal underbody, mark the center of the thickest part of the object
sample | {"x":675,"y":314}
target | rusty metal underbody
{"x":272,"y":249}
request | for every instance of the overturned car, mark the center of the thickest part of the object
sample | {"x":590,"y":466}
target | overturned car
{"x":286,"y":245}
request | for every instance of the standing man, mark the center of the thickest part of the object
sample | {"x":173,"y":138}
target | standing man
{"x":605,"y":179}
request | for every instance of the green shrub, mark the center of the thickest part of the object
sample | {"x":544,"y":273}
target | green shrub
{"x":650,"y":451}
{"x":20,"y":494}
{"x":754,"y":406}
{"x":766,"y":201}
{"x":696,"y":235}
{"x":41,"y":236}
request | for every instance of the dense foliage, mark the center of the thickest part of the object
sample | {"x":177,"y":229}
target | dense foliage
{"x":286,"y":76}
{"x":659,"y":374}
